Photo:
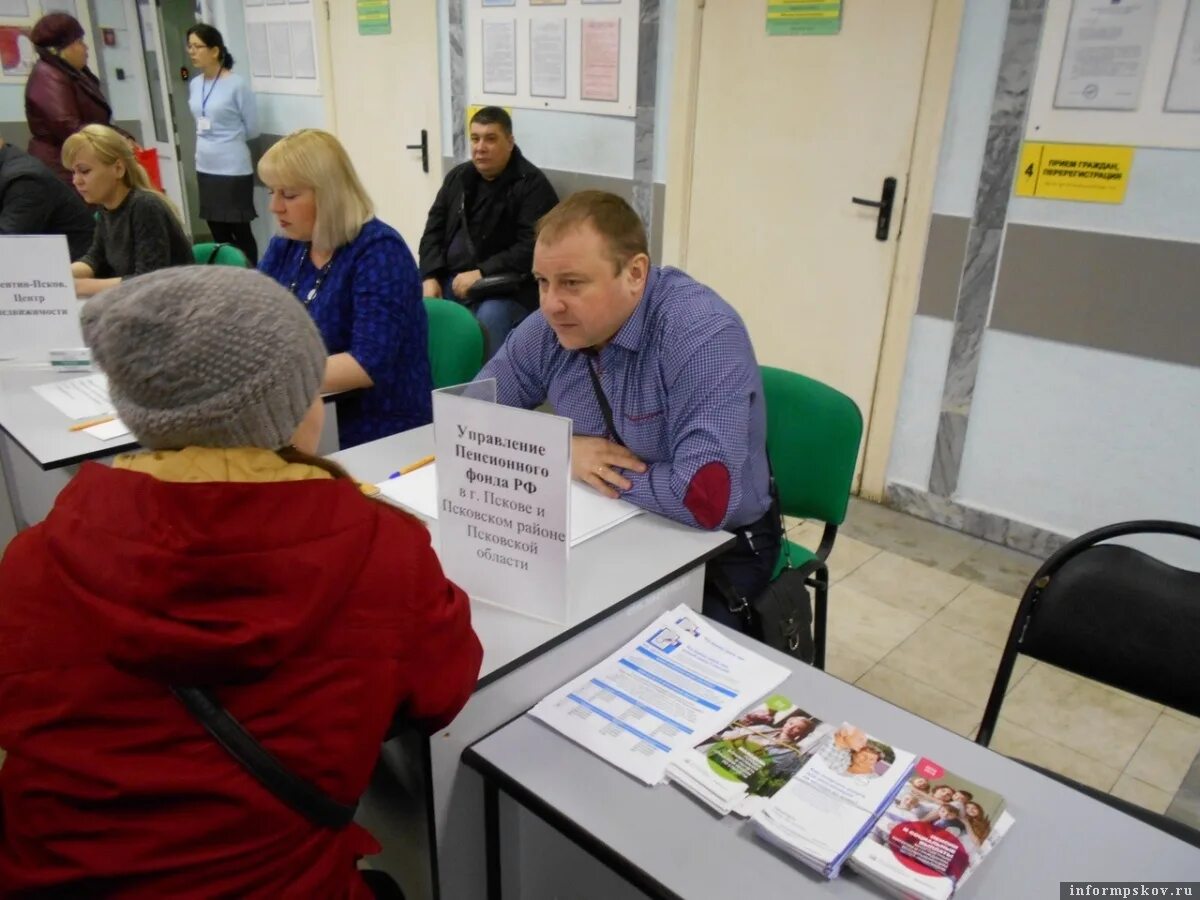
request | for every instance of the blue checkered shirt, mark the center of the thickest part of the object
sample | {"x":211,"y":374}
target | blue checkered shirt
{"x":683,"y":384}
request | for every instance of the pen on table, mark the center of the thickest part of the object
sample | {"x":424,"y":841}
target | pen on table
{"x":79,"y":426}
{"x":412,"y":467}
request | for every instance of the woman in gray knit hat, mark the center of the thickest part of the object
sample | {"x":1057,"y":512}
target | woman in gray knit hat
{"x":222,"y":558}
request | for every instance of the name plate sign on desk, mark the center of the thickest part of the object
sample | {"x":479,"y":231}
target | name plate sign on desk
{"x":38,"y":309}
{"x":502,"y":499}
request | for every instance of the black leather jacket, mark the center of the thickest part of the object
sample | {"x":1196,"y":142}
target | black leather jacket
{"x":502,"y":233}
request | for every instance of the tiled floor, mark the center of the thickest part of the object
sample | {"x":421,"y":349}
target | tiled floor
{"x":904,"y":587}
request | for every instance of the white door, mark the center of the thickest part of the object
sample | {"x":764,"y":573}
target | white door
{"x":385,"y":92}
{"x":787,"y":130}
{"x":158,"y":119}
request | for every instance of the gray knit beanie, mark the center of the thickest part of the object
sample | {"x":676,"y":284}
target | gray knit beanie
{"x":209,"y":356}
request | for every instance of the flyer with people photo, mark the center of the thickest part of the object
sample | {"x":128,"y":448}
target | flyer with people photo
{"x":933,"y":834}
{"x":833,"y":800}
{"x":746,"y":763}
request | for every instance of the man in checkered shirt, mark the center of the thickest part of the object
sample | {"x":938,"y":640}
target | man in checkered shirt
{"x":659,"y":377}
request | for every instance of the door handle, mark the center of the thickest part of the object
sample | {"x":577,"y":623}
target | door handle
{"x":884,"y":205}
{"x":424,"y":148}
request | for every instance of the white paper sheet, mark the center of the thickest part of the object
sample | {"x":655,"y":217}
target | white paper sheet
{"x":78,"y":398}
{"x":416,"y":491}
{"x":1108,"y":46}
{"x":676,"y":680}
{"x":304,"y":59}
{"x":600,"y":59}
{"x":109,"y":431}
{"x":260,"y":53}
{"x":279,"y":38}
{"x":500,"y":56}
{"x":591,"y":513}
{"x":548,"y":58}
{"x":1184,"y":93}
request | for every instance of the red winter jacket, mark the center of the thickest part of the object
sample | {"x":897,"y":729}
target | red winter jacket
{"x":315,"y":614}
{"x":59,"y":100}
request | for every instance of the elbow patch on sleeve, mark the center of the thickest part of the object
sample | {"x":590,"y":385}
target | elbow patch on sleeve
{"x":707,"y":496}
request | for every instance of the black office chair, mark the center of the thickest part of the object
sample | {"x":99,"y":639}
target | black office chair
{"x":1118,"y":616}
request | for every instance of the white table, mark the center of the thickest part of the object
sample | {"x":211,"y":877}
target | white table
{"x":38,"y":453}
{"x":422,"y":805}
{"x":670,"y":846}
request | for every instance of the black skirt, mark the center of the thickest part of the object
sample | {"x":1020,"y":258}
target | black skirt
{"x":226,"y":198}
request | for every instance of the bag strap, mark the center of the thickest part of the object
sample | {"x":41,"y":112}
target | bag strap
{"x":294,"y":791}
{"x":462,"y":223}
{"x":605,"y":409}
{"x":734,"y":601}
{"x":212,"y":256}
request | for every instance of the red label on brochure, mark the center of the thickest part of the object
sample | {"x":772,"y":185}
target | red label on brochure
{"x":929,"y":850}
{"x":927,"y":768}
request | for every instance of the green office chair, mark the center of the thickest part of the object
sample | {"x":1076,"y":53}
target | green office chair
{"x":210,"y":254}
{"x":456,"y":343}
{"x":813,"y":433}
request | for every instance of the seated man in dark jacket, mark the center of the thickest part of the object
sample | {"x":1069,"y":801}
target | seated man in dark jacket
{"x":482,"y":223}
{"x":34,"y":201}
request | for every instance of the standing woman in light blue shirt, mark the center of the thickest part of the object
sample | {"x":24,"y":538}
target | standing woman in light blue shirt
{"x":226,"y":118}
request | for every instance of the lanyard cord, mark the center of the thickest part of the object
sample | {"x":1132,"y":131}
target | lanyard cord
{"x":204,"y":96}
{"x":315,"y":289}
{"x":605,"y":408}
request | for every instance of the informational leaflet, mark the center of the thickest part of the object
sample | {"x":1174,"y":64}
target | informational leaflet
{"x":830,"y":804}
{"x":600,"y":59}
{"x":678,"y":679}
{"x":304,"y":57}
{"x":260,"y":49}
{"x":743,"y":765}
{"x":933,"y":834}
{"x":279,"y":40}
{"x":499,"y":56}
{"x":548,"y":58}
{"x":78,"y":398}
{"x":1108,"y":46}
{"x":38,"y":309}
{"x":1183,"y":95}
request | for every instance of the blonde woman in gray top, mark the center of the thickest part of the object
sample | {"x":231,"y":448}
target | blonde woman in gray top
{"x":137,"y":230}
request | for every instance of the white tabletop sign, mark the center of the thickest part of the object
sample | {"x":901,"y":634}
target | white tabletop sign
{"x":503,"y":500}
{"x":38,"y":309}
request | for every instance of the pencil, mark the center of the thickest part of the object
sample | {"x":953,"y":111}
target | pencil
{"x":79,"y":426}
{"x":412,"y":467}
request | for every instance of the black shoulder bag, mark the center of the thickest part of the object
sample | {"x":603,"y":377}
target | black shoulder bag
{"x":503,"y":284}
{"x":311,"y":802}
{"x":780,"y":616}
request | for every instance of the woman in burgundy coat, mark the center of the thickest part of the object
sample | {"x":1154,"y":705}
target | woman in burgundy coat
{"x":62,"y":94}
